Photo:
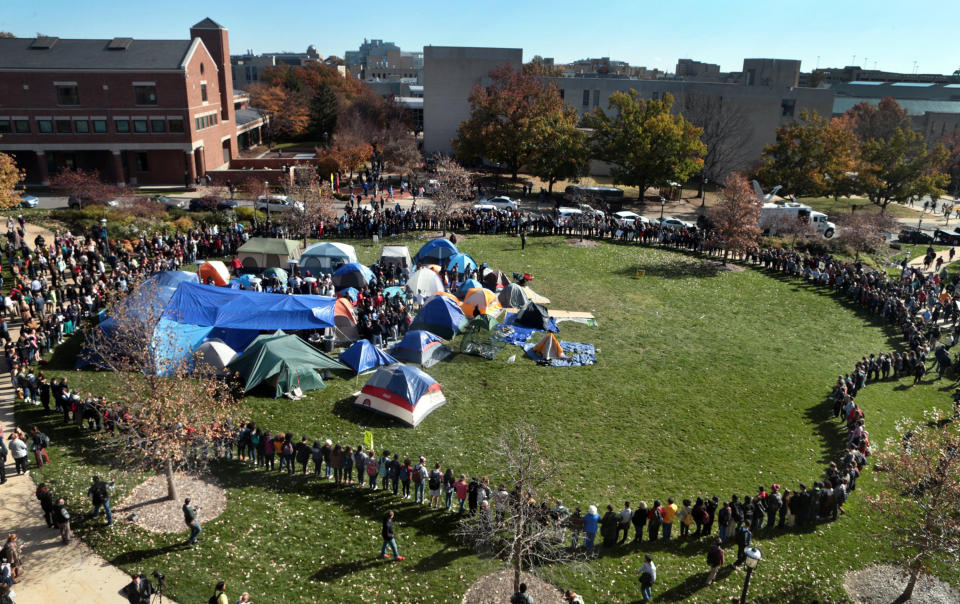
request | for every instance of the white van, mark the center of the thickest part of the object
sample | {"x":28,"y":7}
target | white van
{"x":569,"y":212}
{"x":277,"y":203}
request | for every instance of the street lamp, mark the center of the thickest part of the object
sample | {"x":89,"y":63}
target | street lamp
{"x":754,"y":556}
{"x":266,"y":200}
{"x":663,"y":202}
{"x":103,"y":233}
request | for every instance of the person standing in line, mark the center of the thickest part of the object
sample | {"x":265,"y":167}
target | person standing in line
{"x":3,"y":460}
{"x":45,"y":497}
{"x":715,"y":559}
{"x":744,"y":536}
{"x":669,"y":512}
{"x":18,"y":449}
{"x":389,"y":537}
{"x":648,"y":576}
{"x":190,"y":519}
{"x":62,"y":518}
{"x":625,"y":516}
{"x":590,"y":524}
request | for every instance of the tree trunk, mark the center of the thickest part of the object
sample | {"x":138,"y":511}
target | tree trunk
{"x":172,"y":494}
{"x":908,"y":592}
{"x":516,"y":573}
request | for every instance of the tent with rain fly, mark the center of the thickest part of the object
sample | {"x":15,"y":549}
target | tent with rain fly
{"x":478,"y":337}
{"x":547,"y":349}
{"x":397,"y":256}
{"x":533,"y":315}
{"x":241,"y":309}
{"x":436,"y":251}
{"x":494,"y":280}
{"x":512,"y":296}
{"x":326,"y":257}
{"x":259,"y":253}
{"x":214,"y":272}
{"x":441,"y":316}
{"x":216,"y":355}
{"x":279,"y":274}
{"x":467,"y":286}
{"x":352,"y":274}
{"x":345,"y":322}
{"x":286,"y":361}
{"x":462,"y":262}
{"x":351,"y":293}
{"x":403,"y":392}
{"x":364,"y":356}
{"x":480,"y":301}
{"x":421,"y":347}
{"x":424,"y":281}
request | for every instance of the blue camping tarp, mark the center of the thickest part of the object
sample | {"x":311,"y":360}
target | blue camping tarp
{"x":173,"y":343}
{"x":442,"y":316}
{"x":436,"y":251}
{"x":212,"y":306}
{"x":173,"y":278}
{"x":363,"y":356}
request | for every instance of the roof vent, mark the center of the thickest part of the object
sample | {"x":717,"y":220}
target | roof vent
{"x":119,"y":43}
{"x":44,"y":42}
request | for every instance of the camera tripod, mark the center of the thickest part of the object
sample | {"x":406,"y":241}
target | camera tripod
{"x":157,"y":596}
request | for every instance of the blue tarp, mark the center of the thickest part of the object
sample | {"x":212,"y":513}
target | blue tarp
{"x":578,"y":354}
{"x":511,"y":319}
{"x":442,"y":316}
{"x":237,"y":339}
{"x":395,"y":290}
{"x":173,"y":278}
{"x":363,"y":356}
{"x":405,"y":381}
{"x":462,"y":262}
{"x":173,"y":343}
{"x":436,"y":251}
{"x":212,"y":306}
{"x":350,"y":292}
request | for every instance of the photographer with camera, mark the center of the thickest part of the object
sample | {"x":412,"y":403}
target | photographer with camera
{"x":139,"y":590}
{"x":99,"y":491}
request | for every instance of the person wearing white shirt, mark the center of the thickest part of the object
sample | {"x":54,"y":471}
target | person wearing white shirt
{"x":648,"y":576}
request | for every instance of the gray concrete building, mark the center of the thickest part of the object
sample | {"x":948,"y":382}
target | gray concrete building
{"x":449,"y":75}
{"x":379,"y":61}
{"x":934,"y":108}
{"x":247,"y":68}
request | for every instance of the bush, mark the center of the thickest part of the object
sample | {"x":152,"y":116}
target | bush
{"x":249,"y":214}
{"x":184,"y":223}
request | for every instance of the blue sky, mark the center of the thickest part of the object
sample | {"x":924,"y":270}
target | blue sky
{"x":888,"y":34}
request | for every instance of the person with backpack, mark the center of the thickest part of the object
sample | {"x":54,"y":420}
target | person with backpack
{"x":99,"y":492}
{"x":521,"y":597}
{"x":449,"y":480}
{"x":715,"y":559}
{"x":434,"y":483}
{"x":711,"y":506}
{"x":389,"y":537}
{"x":723,"y":520}
{"x":302,"y":454}
{"x":774,"y":502}
{"x":219,"y":594}
{"x":382,"y":468}
{"x":45,"y":497}
{"x":648,"y":576}
{"x":401,"y":472}
{"x":372,"y":471}
{"x":744,"y":536}
{"x":360,"y":463}
{"x":654,"y":520}
{"x":287,"y":454}
{"x":419,"y":478}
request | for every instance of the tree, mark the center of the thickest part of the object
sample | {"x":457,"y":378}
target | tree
{"x":455,"y":185}
{"x":502,"y":116}
{"x":85,"y":186}
{"x":951,"y":143}
{"x":900,"y":167}
{"x":6,"y":34}
{"x":647,"y":145}
{"x":287,"y":112}
{"x":811,"y":157}
{"x":399,"y":151}
{"x":10,"y":177}
{"x":919,"y":506}
{"x":521,"y":535}
{"x":878,"y":121}
{"x":561,"y":148}
{"x":347,"y":153}
{"x":324,"y":110}
{"x":736,"y":218}
{"x":176,"y":407}
{"x":538,"y":67}
{"x":726,"y":130}
{"x":862,"y":232}
{"x":315,"y":195}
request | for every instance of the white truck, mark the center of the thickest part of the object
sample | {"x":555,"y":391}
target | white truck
{"x":773,"y":215}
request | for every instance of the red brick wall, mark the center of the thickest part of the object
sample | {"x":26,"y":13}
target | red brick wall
{"x":274,"y":177}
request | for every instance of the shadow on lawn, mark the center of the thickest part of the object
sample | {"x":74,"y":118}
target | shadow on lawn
{"x":345,"y":409}
{"x":693,"y":584}
{"x":139,"y":555}
{"x":674,"y":268}
{"x":832,"y":433}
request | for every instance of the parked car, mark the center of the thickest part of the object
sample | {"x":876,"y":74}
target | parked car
{"x":277,"y":203}
{"x":211,"y":204}
{"x":503,"y":203}
{"x":947,"y":237}
{"x":171,"y":202}
{"x":631,"y":218}
{"x":75,"y":203}
{"x":28,"y":201}
{"x":675,"y":224}
{"x":589,"y":211}
{"x":914,"y":236}
{"x":485,"y":207}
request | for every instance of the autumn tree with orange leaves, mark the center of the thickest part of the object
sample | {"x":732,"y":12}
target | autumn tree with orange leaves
{"x":287,"y":111}
{"x":736,"y":217}
{"x":169,"y":408}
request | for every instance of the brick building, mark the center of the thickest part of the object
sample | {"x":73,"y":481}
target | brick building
{"x":141,"y":112}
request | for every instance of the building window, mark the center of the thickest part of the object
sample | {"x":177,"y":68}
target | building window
{"x":203,"y":92}
{"x":596,"y":98}
{"x":81,"y":126}
{"x":45,"y":126}
{"x":561,"y":94}
{"x":142,"y":164}
{"x":67,"y":95}
{"x":158,"y":125}
{"x":121,"y":125}
{"x":175,"y":124}
{"x":787,"y":107}
{"x":139,"y":126}
{"x":586,"y":98}
{"x":100,"y":126}
{"x":21,"y":126}
{"x":201,"y":68}
{"x":145,"y":95}
{"x":64,"y":127}
{"x":5,"y":126}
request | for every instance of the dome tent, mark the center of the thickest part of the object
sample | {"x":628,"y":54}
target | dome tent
{"x":547,"y":349}
{"x":424,"y":281}
{"x":215,"y":272}
{"x":326,"y":257}
{"x":284,"y":359}
{"x":494,"y":280}
{"x":421,"y":347}
{"x":480,"y":300}
{"x":216,"y":354}
{"x":436,"y":251}
{"x":396,"y":255}
{"x":403,"y":392}
{"x":533,"y":315}
{"x":364,"y":356}
{"x":513,"y":296}
{"x":352,"y":274}
{"x":441,"y":316}
{"x":462,"y":262}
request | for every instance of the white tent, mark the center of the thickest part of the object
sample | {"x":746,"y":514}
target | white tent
{"x":397,"y":255}
{"x":425,"y":281}
{"x":216,"y":354}
{"x":325,"y":257}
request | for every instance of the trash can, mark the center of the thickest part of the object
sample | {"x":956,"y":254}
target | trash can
{"x":327,"y":343}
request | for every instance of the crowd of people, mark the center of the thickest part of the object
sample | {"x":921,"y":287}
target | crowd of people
{"x":72,"y":279}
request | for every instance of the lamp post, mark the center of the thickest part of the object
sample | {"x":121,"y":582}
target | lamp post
{"x":754,"y":556}
{"x":103,"y":233}
{"x":663,"y":202}
{"x":266,"y":200}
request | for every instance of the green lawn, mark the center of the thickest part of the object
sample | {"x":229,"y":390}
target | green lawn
{"x":844,"y":206}
{"x":708,"y":382}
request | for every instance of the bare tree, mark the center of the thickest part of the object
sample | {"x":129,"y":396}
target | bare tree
{"x":523,"y":535}
{"x":726,"y":131}
{"x":172,"y":408}
{"x":862,"y":232}
{"x":316,"y":196}
{"x":455,"y":186}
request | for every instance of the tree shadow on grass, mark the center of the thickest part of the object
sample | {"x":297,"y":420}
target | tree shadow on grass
{"x":832,"y":432}
{"x":139,"y":555}
{"x":335,"y":572}
{"x":674,"y":267}
{"x":692,"y":585}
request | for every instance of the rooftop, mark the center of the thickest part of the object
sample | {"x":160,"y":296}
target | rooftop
{"x":66,"y":54}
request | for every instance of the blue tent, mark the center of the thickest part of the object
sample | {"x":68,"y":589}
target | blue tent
{"x":441,"y":316}
{"x":462,"y":262}
{"x":352,"y":274}
{"x":422,"y":347}
{"x":173,"y":343}
{"x":363,"y":356}
{"x":173,"y":278}
{"x":468,"y":285}
{"x":213,"y":306}
{"x":402,"y":392}
{"x":350,"y":292}
{"x":436,"y":251}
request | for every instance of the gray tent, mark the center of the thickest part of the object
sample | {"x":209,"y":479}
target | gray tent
{"x":397,"y":255}
{"x":512,"y":296}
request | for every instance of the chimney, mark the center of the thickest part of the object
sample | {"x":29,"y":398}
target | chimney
{"x":214,"y":36}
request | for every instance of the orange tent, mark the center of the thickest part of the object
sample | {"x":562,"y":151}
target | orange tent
{"x":214,"y":271}
{"x":345,"y":321}
{"x":482,"y":299}
{"x":455,"y":299}
{"x":549,"y":348}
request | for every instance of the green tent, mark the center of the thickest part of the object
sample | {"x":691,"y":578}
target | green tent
{"x":479,"y":337}
{"x":259,"y":253}
{"x":286,"y":359}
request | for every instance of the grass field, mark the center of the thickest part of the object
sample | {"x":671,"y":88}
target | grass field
{"x":708,"y":382}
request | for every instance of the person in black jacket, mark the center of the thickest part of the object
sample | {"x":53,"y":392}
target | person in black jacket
{"x":303,"y":453}
{"x":4,"y":452}
{"x":46,"y":503}
{"x":389,"y":537}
